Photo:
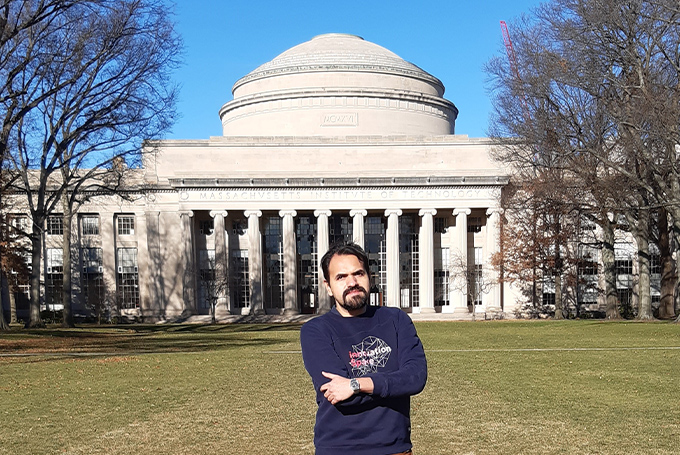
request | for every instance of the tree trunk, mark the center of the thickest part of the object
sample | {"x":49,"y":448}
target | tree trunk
{"x":66,"y":276}
{"x":12,"y":305}
{"x":34,"y":319}
{"x":609,"y":272}
{"x":668,"y":278}
{"x":559,"y":313}
{"x":557,"y":272}
{"x":3,"y":322}
{"x":641,"y":233}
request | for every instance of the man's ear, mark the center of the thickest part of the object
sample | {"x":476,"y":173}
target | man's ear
{"x":328,"y":288}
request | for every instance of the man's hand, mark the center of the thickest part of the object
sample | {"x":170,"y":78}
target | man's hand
{"x":337,"y":389}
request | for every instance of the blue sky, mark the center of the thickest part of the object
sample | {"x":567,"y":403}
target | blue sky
{"x":226,"y":39}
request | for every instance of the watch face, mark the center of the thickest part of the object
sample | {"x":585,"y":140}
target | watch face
{"x":354,"y":384}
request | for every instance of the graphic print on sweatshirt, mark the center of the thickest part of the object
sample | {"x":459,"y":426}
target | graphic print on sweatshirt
{"x":369,"y":355}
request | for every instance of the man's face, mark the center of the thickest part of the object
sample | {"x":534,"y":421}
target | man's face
{"x":348,"y":282}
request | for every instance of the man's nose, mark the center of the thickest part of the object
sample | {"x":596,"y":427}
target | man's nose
{"x":351,"y":280}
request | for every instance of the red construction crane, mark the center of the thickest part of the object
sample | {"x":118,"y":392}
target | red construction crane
{"x":513,"y":66}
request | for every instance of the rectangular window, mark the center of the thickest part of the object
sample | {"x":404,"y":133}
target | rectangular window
{"x":478,"y":277}
{"x":92,"y":260}
{"x":624,"y":266}
{"x":415,"y":271}
{"x":441,"y":276}
{"x":126,"y":224}
{"x":240,"y":288}
{"x":479,"y":257}
{"x":587,"y":274}
{"x":208,"y":287}
{"x":474,"y":224}
{"x":206,"y":227}
{"x":587,"y":268}
{"x":273,"y":273}
{"x":93,"y":280}
{"x":55,"y":225}
{"x":441,"y":225}
{"x":28,"y":258}
{"x":54,"y":277}
{"x":127,"y":278}
{"x":548,"y":298}
{"x":587,"y":224}
{"x":19,"y":225}
{"x":89,"y":224}
{"x":307,"y":263}
{"x":655,"y":264}
{"x":55,"y":260}
{"x":239,"y":226}
{"x":340,"y":229}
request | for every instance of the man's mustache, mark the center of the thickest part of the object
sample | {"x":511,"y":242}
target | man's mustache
{"x":354,"y":288}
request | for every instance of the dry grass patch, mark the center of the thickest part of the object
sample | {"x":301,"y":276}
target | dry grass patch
{"x":243,"y":389}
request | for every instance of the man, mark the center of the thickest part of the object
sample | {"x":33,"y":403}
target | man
{"x":365,"y":363}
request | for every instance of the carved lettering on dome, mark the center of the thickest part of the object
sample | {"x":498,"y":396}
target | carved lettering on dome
{"x":340,"y":119}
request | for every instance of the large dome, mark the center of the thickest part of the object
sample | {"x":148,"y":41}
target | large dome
{"x":338,"y":85}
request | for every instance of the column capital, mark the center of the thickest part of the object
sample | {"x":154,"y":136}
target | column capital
{"x":356,"y":212}
{"x":283,"y":213}
{"x":462,"y":210}
{"x":188,"y":213}
{"x":493,"y":211}
{"x":249,"y":213}
{"x":423,"y":212}
{"x":318,"y":213}
{"x":389,"y":212}
{"x":214,"y":213}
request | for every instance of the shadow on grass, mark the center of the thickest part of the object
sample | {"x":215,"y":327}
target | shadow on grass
{"x":143,"y":339}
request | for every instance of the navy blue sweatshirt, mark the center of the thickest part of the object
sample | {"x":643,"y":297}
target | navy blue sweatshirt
{"x":381,"y":344}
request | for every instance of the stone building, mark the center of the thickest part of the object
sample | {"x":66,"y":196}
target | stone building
{"x":335,"y":139}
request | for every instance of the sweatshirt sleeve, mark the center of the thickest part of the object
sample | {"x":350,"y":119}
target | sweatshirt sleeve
{"x":411,"y":376}
{"x":318,"y":354}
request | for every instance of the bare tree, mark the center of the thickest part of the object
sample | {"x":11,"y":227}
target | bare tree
{"x":474,"y":280}
{"x":112,"y":62}
{"x":13,"y":269}
{"x":213,"y":283}
{"x":540,"y":227}
{"x":601,"y":80}
{"x":667,"y":269}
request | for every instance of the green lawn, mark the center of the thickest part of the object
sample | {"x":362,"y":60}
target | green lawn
{"x":502,"y":387}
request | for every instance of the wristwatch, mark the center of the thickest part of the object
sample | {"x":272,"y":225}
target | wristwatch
{"x":354,"y":385}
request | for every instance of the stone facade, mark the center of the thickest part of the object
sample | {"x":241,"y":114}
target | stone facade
{"x":335,"y":139}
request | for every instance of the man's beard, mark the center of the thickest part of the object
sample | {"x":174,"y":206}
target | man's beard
{"x":354,"y":302}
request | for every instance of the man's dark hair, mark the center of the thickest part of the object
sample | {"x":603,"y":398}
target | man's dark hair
{"x":344,"y":249}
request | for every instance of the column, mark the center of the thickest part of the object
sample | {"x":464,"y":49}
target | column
{"x":223,"y":306}
{"x":460,"y":263}
{"x":189,"y":277}
{"x":493,"y":247}
{"x":290,"y":299}
{"x":426,"y":254}
{"x":255,"y":260}
{"x":393,"y":286}
{"x":358,"y":226}
{"x":322,"y":236}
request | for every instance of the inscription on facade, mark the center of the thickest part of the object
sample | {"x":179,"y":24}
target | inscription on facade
{"x":340,"y":119}
{"x":339,"y":195}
